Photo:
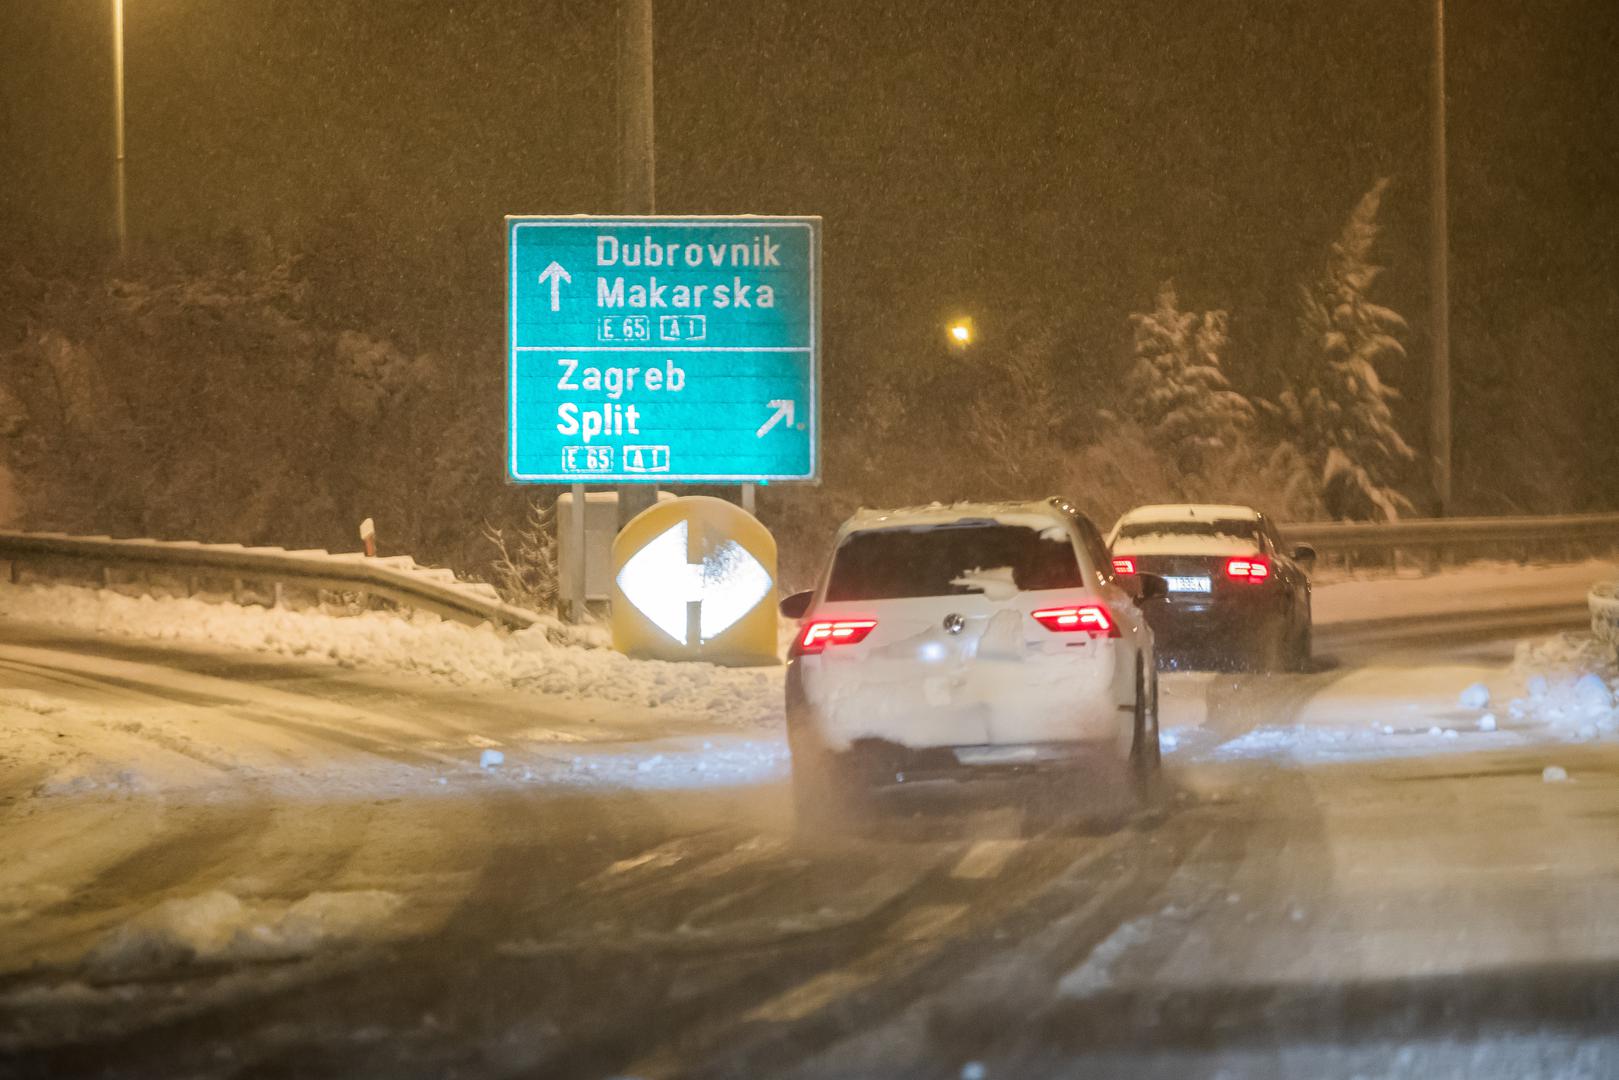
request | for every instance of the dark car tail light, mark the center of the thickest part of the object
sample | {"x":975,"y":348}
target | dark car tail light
{"x":820,"y":633}
{"x":1123,"y":564}
{"x":1093,"y":619}
{"x":1249,"y":568}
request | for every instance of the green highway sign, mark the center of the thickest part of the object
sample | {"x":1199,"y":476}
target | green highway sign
{"x":662,"y":349}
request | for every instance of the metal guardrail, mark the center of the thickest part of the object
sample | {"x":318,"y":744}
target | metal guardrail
{"x":400,"y":580}
{"x":397,"y":578}
{"x":1451,"y":537}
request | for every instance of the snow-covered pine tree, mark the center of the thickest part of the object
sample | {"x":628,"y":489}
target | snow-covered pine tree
{"x":1177,"y":391}
{"x":1339,"y":406}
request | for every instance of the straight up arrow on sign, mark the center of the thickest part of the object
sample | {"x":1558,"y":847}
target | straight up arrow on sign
{"x":556,"y":275}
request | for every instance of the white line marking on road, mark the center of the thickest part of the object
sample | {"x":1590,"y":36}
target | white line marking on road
{"x":920,"y":924}
{"x":985,"y":859}
{"x":926,"y":922}
{"x":811,"y":996}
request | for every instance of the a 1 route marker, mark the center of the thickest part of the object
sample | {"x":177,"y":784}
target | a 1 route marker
{"x":663,"y":349}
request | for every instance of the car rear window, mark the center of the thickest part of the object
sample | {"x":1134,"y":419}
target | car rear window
{"x":889,"y":564}
{"x":1233,"y":528}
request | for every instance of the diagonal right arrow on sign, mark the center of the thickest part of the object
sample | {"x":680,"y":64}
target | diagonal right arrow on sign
{"x":784,"y":411}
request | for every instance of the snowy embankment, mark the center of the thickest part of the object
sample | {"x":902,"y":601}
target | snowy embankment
{"x":528,"y":660}
{"x":1480,"y":588}
{"x":1556,"y":689}
{"x":552,"y":704}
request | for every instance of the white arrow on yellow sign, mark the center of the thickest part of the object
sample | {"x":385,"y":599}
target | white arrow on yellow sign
{"x":694,"y":578}
{"x":726,"y":585}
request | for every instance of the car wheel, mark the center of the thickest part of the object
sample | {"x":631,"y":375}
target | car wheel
{"x":1303,"y":649}
{"x":827,"y":798}
{"x":1273,"y":651}
{"x":1146,"y":757}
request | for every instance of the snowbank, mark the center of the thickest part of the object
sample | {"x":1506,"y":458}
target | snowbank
{"x":528,"y":660}
{"x":1557,"y":689}
{"x":1475,"y":589}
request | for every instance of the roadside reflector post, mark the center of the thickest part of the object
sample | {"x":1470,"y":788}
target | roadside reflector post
{"x":368,"y":536}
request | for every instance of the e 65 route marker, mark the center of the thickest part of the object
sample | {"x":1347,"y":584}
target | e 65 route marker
{"x":663,"y":349}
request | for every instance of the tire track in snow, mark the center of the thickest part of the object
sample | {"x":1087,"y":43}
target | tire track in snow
{"x":191,"y":852}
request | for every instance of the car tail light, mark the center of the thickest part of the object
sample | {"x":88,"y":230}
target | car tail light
{"x":1248,"y":568}
{"x":1093,"y":619}
{"x":1123,"y":564}
{"x":820,"y":633}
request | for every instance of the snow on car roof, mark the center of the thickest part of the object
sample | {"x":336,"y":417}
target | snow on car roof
{"x":1036,"y":515}
{"x":1190,"y":511}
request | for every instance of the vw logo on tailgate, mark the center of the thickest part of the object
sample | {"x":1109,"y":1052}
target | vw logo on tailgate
{"x":953,"y":623}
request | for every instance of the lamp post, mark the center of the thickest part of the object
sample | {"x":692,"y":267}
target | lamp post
{"x":1439,"y":284}
{"x":636,"y":157}
{"x":120,"y":209}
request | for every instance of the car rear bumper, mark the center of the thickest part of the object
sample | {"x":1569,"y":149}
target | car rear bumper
{"x":878,"y":763}
{"x":1083,"y":712}
{"x":1048,"y":700}
{"x":1189,"y":634}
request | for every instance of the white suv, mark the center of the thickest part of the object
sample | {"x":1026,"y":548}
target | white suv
{"x":963,"y":640}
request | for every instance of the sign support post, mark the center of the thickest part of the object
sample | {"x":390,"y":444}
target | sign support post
{"x":575,"y":572}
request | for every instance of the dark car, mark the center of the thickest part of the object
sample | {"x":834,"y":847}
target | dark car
{"x":1236,"y":595}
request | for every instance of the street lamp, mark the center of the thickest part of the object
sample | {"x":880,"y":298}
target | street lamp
{"x":120,"y":218}
{"x":960,"y":332}
{"x":1439,"y":433}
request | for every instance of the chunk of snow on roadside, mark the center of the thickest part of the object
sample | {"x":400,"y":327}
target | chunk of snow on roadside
{"x":1592,"y":694}
{"x":973,"y":1070}
{"x":1476,"y":696}
{"x":218,"y":925}
{"x":1553,"y":774}
{"x":491,"y":758}
{"x":1486,"y":722}
{"x":1568,"y":680}
{"x":1561,"y":654}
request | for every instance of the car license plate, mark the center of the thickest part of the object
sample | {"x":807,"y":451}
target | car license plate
{"x":1188,"y":584}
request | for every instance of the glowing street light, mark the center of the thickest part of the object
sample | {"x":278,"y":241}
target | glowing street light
{"x":961,"y":332}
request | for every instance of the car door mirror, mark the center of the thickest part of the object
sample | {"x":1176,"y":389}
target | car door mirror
{"x":796,"y":605}
{"x":1304,"y":555}
{"x":1150,"y":587}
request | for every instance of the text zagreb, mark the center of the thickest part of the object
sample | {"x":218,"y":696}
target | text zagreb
{"x":611,"y":418}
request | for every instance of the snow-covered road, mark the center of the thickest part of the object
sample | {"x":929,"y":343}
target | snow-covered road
{"x":260,"y":850}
